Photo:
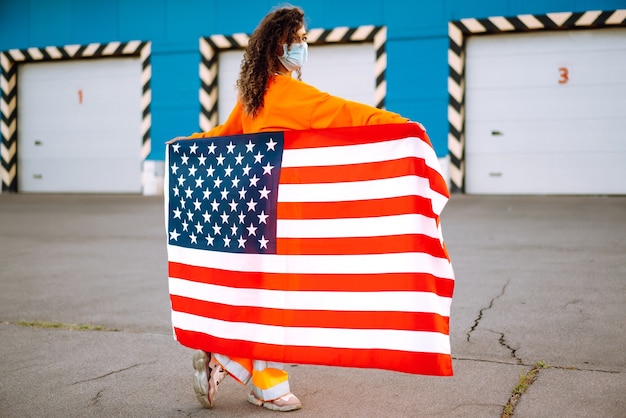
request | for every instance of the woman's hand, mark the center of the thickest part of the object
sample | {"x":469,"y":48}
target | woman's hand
{"x":178,"y":138}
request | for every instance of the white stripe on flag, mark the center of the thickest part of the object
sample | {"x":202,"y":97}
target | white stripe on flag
{"x":361,"y":153}
{"x":415,"y":341}
{"x":313,"y":300}
{"x":166,"y":189}
{"x":357,"y":227}
{"x":353,"y":190}
{"x":312,"y":264}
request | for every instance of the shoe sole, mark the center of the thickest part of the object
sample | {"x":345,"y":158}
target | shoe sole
{"x":200,"y":378}
{"x":270,"y":405}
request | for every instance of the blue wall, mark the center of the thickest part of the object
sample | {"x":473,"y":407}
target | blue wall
{"x":417,"y":43}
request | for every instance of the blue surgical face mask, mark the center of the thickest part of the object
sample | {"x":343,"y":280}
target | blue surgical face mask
{"x":294,"y":58}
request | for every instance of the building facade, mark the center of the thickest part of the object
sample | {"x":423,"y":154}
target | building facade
{"x":518,"y":97}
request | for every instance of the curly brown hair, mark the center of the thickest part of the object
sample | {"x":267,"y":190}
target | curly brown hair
{"x":260,"y":61}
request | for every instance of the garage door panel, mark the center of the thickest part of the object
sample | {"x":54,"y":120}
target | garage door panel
{"x":356,"y":79}
{"x":567,"y":41}
{"x":81,"y":96}
{"x":92,"y":142}
{"x":48,"y":123}
{"x":589,"y":102}
{"x":94,"y":176}
{"x":44,"y":148}
{"x":111,"y":126}
{"x":515,"y":71}
{"x":593,"y":173}
{"x":545,"y":70}
{"x":546,"y":136}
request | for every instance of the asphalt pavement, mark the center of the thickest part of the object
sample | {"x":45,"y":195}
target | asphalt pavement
{"x":537,"y":325}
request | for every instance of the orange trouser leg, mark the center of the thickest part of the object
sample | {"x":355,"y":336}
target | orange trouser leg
{"x":269,"y":380}
{"x":239,"y":368}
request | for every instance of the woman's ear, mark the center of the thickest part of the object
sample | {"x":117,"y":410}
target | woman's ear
{"x":279,"y":50}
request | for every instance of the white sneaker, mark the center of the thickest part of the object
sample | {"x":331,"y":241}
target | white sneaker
{"x":285,"y":403}
{"x":207,"y":376}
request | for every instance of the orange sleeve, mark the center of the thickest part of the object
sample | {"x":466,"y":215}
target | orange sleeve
{"x":329,"y":111}
{"x":232,"y":126}
{"x":336,"y":112}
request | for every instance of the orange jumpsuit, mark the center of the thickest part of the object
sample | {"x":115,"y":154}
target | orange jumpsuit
{"x":289,"y":104}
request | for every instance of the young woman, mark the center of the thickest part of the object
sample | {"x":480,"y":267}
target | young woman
{"x":269,"y":99}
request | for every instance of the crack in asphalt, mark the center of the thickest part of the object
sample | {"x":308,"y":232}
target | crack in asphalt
{"x":96,"y":398}
{"x":482,"y":310}
{"x":512,"y":350}
{"x":571,"y":368}
{"x":113,"y":372}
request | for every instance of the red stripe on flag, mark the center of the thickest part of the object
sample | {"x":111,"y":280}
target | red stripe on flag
{"x":409,"y":321}
{"x":388,"y":282}
{"x":356,"y":209}
{"x":433,"y":364}
{"x":361,"y":245}
{"x":334,"y":137}
{"x":355,"y":172}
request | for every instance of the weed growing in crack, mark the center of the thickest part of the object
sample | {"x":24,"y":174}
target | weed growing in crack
{"x":524,"y":382}
{"x":60,"y":325}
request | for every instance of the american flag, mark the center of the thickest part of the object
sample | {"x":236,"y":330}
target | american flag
{"x":313,"y":247}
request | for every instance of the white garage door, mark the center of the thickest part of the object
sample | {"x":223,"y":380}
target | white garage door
{"x":545,"y":113}
{"x":80,"y":126}
{"x":345,"y":70}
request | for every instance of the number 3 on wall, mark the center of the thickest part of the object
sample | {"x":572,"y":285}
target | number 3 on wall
{"x":564,"y":75}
